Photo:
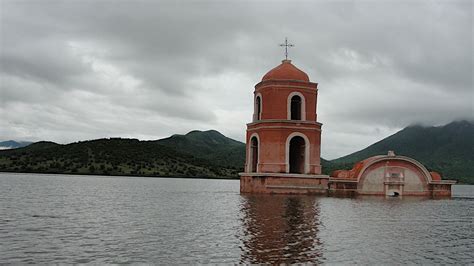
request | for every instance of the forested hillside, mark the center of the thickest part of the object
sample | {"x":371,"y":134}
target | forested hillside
{"x":111,"y":157}
{"x":446,"y":149}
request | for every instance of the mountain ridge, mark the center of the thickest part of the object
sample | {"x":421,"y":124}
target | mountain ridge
{"x":210,"y":145}
{"x":447,"y":149}
{"x":115,"y":156}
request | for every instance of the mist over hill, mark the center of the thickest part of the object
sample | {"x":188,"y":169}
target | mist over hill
{"x":447,"y":149}
{"x":12,"y":144}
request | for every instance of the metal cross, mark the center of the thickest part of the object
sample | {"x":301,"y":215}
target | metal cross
{"x":286,"y":45}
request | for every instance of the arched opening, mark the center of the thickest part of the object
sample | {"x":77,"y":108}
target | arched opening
{"x":297,"y":155}
{"x":253,"y":155}
{"x":258,"y":107}
{"x":295,"y":107}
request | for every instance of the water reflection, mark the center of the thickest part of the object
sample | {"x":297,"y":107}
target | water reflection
{"x":280,"y":229}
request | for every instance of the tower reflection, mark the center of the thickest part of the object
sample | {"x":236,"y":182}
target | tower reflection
{"x":280,"y":229}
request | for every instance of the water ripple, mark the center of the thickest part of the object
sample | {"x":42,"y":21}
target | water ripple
{"x":48,"y":219}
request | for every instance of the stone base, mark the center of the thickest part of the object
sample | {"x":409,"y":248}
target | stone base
{"x":282,"y":183}
{"x":347,"y":187}
{"x":342,"y":188}
{"x":441,"y":189}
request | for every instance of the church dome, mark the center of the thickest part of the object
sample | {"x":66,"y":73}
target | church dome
{"x":286,"y":71}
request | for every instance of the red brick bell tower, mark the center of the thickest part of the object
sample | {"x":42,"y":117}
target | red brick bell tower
{"x":284,"y":138}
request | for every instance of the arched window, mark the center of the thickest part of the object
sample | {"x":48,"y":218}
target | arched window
{"x":295,"y":107}
{"x":297,"y":155}
{"x":253,"y":154}
{"x":258,"y":108}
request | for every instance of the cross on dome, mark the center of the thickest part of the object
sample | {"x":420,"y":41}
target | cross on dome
{"x":286,"y":45}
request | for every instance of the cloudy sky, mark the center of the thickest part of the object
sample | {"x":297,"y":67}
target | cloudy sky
{"x":77,"y":70}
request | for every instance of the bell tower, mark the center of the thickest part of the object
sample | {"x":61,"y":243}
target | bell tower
{"x":284,"y":137}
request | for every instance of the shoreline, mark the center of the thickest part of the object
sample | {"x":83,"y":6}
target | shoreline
{"x":145,"y":176}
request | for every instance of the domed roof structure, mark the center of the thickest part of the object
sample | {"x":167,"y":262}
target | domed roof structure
{"x":286,"y":71}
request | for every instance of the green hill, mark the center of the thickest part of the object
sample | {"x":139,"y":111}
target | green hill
{"x":447,"y":149}
{"x":112,"y":157}
{"x":209,"y":145}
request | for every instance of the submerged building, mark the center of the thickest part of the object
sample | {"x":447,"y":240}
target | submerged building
{"x":283,"y":149}
{"x":389,"y":175}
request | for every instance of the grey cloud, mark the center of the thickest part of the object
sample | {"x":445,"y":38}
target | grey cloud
{"x":166,"y":67}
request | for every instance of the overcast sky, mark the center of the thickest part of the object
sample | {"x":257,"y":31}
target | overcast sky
{"x":78,"y":70}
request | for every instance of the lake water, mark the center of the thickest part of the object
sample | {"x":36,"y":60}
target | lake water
{"x":94,"y":219}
